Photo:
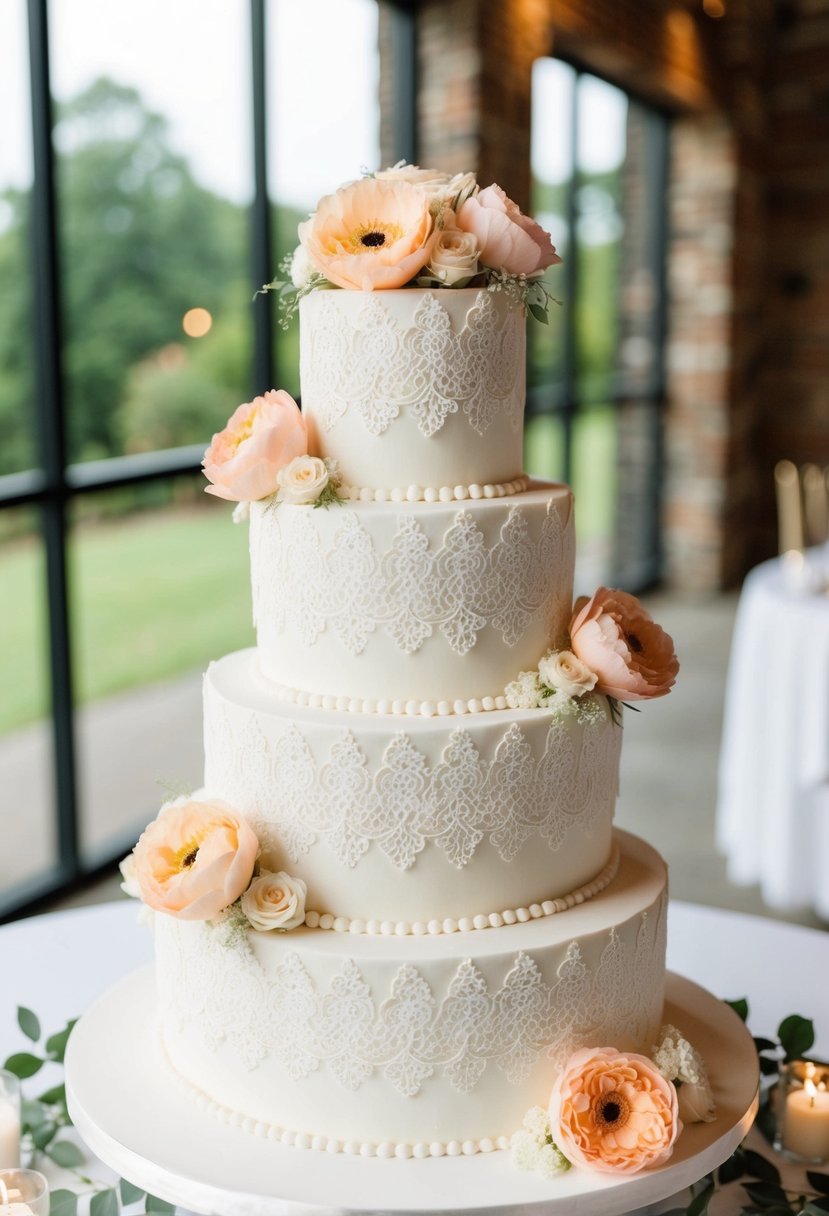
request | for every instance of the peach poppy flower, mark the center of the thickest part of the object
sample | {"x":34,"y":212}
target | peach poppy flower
{"x":195,"y":859}
{"x":261,"y":437}
{"x":371,"y":235}
{"x":618,"y":639}
{"x":508,"y":240}
{"x":613,"y":1112}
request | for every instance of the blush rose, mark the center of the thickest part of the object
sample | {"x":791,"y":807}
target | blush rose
{"x":613,"y":1112}
{"x":275,"y":901}
{"x":195,"y":859}
{"x":618,"y":639}
{"x":507,"y":239}
{"x":261,"y":437}
{"x":303,"y":480}
{"x":565,"y":672}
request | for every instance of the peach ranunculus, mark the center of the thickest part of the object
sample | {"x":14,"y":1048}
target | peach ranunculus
{"x":261,"y":437}
{"x":618,"y":639}
{"x":613,"y":1112}
{"x":372,"y":234}
{"x":508,"y":239}
{"x":195,"y":859}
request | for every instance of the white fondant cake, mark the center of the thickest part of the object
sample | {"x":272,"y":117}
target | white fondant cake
{"x":370,"y":742}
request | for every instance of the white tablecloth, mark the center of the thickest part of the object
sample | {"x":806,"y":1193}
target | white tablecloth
{"x":773,"y":808}
{"x":58,"y":964}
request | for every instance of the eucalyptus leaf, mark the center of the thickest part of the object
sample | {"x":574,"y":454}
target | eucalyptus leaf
{"x":740,"y":1007}
{"x":768,"y":1067}
{"x":105,"y":1203}
{"x":28,"y":1023}
{"x":539,"y":313}
{"x":44,"y":1134}
{"x":56,"y":1043}
{"x":130,"y":1193}
{"x":56,"y":1096}
{"x":765,"y":1193}
{"x":33,"y":1113}
{"x":63,"y":1203}
{"x":23,"y":1064}
{"x":699,"y":1204}
{"x":796,"y":1034}
{"x":733,"y":1168}
{"x":65,"y":1154}
{"x":765,"y":1044}
{"x":766,"y":1123}
{"x":159,"y":1206}
{"x":818,"y":1182}
{"x":758,"y":1166}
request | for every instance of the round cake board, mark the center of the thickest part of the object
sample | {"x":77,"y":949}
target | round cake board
{"x":140,"y":1119}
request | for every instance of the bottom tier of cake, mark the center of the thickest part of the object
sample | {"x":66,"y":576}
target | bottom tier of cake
{"x":349,"y":1041}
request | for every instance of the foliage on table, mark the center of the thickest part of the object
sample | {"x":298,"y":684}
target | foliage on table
{"x":760,"y":1178}
{"x":45,"y":1116}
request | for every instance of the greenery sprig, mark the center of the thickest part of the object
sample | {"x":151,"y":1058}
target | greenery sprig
{"x":46,"y":1116}
{"x":760,"y":1178}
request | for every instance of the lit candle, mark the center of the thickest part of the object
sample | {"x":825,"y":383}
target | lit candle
{"x":806,"y":1121}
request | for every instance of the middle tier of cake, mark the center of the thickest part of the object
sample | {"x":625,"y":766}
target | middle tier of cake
{"x":416,"y":825}
{"x":411,"y":602}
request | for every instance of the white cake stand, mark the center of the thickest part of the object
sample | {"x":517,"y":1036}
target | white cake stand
{"x":139,"y":1119}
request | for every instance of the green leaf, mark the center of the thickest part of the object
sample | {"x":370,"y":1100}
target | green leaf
{"x":733,"y":1168}
{"x":56,"y":1043}
{"x":23,"y":1064}
{"x":768,"y":1067}
{"x":56,"y":1096}
{"x":699,"y":1204}
{"x":33,"y":1113}
{"x":765,"y":1044}
{"x":758,"y":1166}
{"x":766,"y":1123}
{"x":539,"y":313}
{"x":740,"y":1007}
{"x":765,"y":1194}
{"x":130,"y":1193}
{"x":28,"y":1023}
{"x":44,"y":1134}
{"x":63,"y":1203}
{"x":818,"y":1182}
{"x":65,"y":1154}
{"x":796,"y":1034}
{"x":105,"y":1203}
{"x":159,"y":1206}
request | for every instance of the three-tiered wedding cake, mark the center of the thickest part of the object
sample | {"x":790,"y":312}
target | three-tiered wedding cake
{"x":427,"y":769}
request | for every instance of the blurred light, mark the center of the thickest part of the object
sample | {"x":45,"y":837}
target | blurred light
{"x":196,"y":322}
{"x":714,"y":8}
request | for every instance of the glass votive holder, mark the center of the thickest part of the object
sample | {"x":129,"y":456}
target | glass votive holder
{"x":23,"y":1193}
{"x":9,"y":1120}
{"x":801,"y":1108}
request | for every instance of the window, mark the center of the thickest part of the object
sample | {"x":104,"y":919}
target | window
{"x":157,"y":197}
{"x":595,"y":383}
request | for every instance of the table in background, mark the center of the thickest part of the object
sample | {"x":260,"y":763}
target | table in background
{"x":773,"y":808}
{"x":58,"y":964}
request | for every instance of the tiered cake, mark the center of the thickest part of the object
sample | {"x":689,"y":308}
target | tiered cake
{"x":471,"y":917}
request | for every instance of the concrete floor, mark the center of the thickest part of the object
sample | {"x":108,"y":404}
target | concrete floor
{"x":669,"y":759}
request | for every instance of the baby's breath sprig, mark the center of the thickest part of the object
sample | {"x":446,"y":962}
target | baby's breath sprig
{"x":288,"y":295}
{"x":526,"y":292}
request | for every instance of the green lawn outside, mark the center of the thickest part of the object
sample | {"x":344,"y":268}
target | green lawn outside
{"x":158,"y":593}
{"x":153,"y":595}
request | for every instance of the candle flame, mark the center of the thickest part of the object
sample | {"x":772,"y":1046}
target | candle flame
{"x":811,"y":1090}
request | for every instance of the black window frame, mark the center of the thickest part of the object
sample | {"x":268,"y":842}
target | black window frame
{"x":52,"y":487}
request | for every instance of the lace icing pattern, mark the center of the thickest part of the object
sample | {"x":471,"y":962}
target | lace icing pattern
{"x":293,"y":800}
{"x":411,"y":590}
{"x":409,"y":1032}
{"x":364,"y":361}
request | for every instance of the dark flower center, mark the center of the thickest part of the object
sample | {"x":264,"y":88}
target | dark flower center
{"x":189,"y":860}
{"x":611,"y":1110}
{"x":373,"y":240}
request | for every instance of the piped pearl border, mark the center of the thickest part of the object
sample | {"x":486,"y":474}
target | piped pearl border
{"x":466,"y":924}
{"x":384,"y":1149}
{"x":436,"y":493}
{"x":385,"y":705}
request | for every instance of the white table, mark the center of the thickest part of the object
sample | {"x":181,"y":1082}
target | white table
{"x":58,"y":964}
{"x":773,"y":807}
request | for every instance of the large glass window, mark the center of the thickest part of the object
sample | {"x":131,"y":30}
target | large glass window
{"x":135,"y":169}
{"x":595,"y":373}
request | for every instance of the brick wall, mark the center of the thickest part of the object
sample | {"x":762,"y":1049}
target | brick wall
{"x":748,"y":273}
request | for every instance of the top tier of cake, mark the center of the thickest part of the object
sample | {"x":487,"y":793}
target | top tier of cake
{"x":412,"y":390}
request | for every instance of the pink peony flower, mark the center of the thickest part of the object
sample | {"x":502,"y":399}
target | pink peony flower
{"x":508,"y":240}
{"x":195,"y":859}
{"x":617,"y":639}
{"x":262,"y":436}
{"x":613,"y":1112}
{"x":372,"y":234}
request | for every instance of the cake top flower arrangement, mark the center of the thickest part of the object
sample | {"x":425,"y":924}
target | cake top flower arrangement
{"x":412,"y":227}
